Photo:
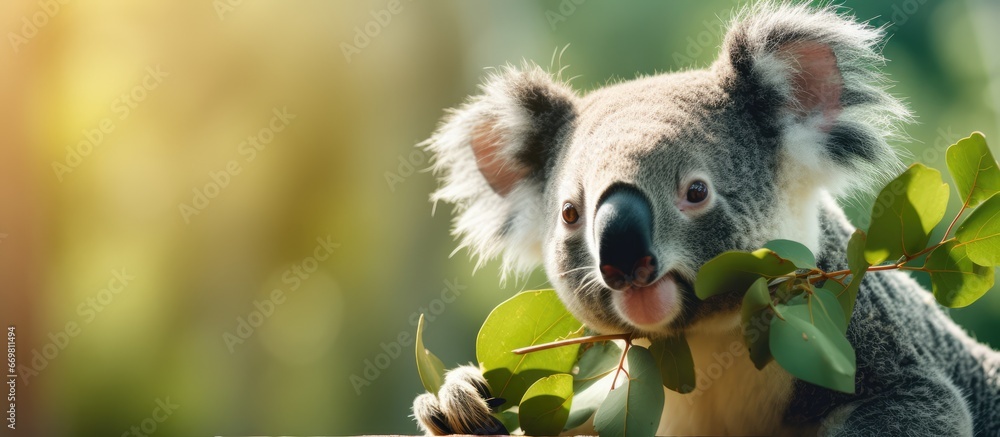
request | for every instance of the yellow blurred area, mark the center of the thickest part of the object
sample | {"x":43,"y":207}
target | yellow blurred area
{"x":207,"y":150}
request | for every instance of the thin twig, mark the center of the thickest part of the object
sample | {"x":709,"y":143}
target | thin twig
{"x":775,"y":311}
{"x":964,"y":206}
{"x":898,"y":265}
{"x":572,"y":341}
{"x":621,"y":364}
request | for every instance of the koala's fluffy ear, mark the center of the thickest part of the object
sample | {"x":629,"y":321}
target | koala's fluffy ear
{"x":493,"y":156}
{"x":815,"y":74}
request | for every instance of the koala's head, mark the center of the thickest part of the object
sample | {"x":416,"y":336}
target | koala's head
{"x":622,"y":194}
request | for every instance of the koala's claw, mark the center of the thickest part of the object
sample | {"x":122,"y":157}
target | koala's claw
{"x":462,"y":406}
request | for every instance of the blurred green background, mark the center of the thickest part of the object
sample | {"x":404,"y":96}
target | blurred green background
{"x":178,"y":87}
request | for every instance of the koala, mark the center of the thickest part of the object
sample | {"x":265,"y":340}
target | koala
{"x":623,"y":193}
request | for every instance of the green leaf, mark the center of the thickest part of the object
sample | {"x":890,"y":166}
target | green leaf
{"x":980,"y":233}
{"x":592,"y":382}
{"x":858,"y":265}
{"x":955,"y":279}
{"x":825,"y":301}
{"x":837,"y":290}
{"x":527,"y":319}
{"x":904,"y":214}
{"x":974,"y":169}
{"x":673,"y":358}
{"x":756,"y":299}
{"x":756,"y":314}
{"x":634,"y":407}
{"x":599,"y":360}
{"x":843,"y":296}
{"x":796,"y":252}
{"x":735,"y":271}
{"x":429,"y":366}
{"x":509,"y":420}
{"x":807,"y":341}
{"x":856,"y":252}
{"x":546,"y":405}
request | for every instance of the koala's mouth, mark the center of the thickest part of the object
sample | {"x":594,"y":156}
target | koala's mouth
{"x":651,"y":307}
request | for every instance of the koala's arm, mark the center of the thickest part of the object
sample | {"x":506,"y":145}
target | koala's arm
{"x":921,"y":405}
{"x":462,"y":406}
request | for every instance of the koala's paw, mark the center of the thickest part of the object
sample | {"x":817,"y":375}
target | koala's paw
{"x":462,"y":406}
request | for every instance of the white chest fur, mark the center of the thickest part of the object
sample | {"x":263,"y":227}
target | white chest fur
{"x":732,"y":397}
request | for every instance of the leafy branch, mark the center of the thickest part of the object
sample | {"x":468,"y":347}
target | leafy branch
{"x":783,"y":281}
{"x":793,"y":312}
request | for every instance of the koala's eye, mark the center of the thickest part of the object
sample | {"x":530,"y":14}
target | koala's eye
{"x":569,"y":213}
{"x":697,"y":192}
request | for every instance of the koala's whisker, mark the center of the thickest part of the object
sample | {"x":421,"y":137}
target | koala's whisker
{"x":591,"y":284}
{"x":561,"y":274}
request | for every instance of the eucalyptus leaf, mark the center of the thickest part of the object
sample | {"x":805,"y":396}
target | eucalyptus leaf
{"x":588,"y":397}
{"x":673,"y":358}
{"x":634,"y":407}
{"x":859,"y":266}
{"x":955,"y":280}
{"x":735,"y":271}
{"x":756,"y":315}
{"x":509,"y":419}
{"x":592,"y":381}
{"x":527,"y":319}
{"x":546,"y":404}
{"x":974,"y":170}
{"x":856,"y":252}
{"x":429,"y":366}
{"x":807,"y":341}
{"x":598,"y":360}
{"x":847,"y":294}
{"x":796,"y":252}
{"x":825,"y":301}
{"x":836,"y":288}
{"x":980,"y":233}
{"x":904,"y":214}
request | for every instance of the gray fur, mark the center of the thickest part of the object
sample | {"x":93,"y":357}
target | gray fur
{"x":794,"y":109}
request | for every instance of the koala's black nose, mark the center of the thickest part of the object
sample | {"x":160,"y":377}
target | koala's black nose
{"x":623,"y":228}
